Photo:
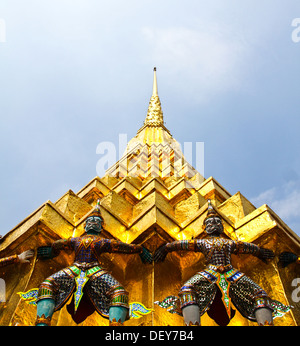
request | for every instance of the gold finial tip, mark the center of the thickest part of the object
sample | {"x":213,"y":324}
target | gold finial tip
{"x":154,"y":83}
{"x":154,"y":115}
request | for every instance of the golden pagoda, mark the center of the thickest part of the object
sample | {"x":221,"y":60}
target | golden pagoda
{"x":150,"y":196}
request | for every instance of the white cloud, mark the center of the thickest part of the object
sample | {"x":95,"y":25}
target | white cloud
{"x":285,"y":201}
{"x":264,"y":197}
{"x":210,"y":56}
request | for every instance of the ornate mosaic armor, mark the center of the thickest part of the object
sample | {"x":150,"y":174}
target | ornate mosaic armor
{"x":86,"y":277}
{"x":217,"y":250}
{"x":220,"y":285}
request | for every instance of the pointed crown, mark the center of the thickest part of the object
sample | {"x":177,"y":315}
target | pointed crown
{"x":96,"y":211}
{"x":210,"y":211}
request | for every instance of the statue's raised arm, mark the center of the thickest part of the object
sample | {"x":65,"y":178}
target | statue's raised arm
{"x":21,"y":258}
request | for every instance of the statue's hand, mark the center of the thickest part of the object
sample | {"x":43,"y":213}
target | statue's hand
{"x":146,"y":256}
{"x":45,"y":252}
{"x":265,"y":254}
{"x":160,"y":254}
{"x":286,"y":258}
{"x":24,"y":256}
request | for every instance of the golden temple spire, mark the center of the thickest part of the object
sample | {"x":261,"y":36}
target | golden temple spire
{"x":154,"y":93}
{"x":154,"y":115}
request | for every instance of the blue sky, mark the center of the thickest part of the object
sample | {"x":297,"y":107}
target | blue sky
{"x":77,"y":73}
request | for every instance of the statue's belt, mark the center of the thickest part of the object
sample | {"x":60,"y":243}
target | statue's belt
{"x":213,"y":273}
{"x":75,"y":271}
{"x":220,"y":268}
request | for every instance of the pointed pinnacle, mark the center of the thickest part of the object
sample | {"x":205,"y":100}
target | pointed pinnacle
{"x":154,"y":83}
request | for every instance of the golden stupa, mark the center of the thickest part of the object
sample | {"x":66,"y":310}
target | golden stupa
{"x":150,"y":196}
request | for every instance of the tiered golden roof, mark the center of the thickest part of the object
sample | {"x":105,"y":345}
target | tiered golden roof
{"x":153,"y":152}
{"x":150,"y":196}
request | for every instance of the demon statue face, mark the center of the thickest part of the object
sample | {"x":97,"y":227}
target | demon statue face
{"x":93,"y":224}
{"x":213,"y":223}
